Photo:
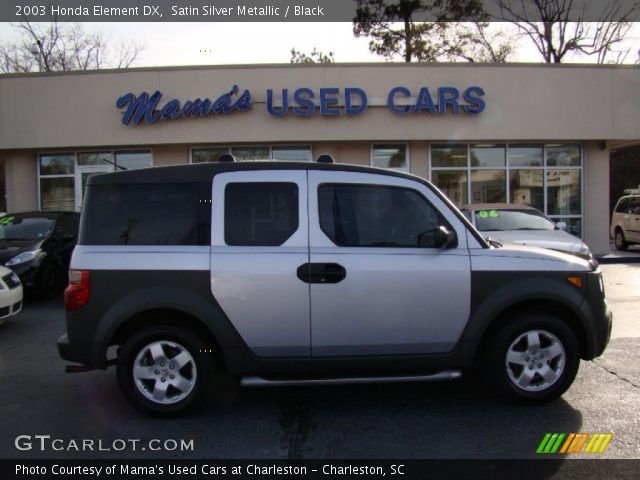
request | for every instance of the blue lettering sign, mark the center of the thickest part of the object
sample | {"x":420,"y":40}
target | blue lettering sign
{"x":284,"y":109}
{"x":145,"y":107}
{"x":425,"y":102}
{"x":448,"y":100}
{"x":448,"y":96}
{"x":405,"y":92}
{"x":326,"y":101}
{"x":304,"y":102}
{"x":140,"y":107}
{"x":474,"y":103}
{"x":349,"y":107}
{"x":303,"y":97}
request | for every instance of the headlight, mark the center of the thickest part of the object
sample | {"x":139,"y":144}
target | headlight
{"x":24,"y":257}
{"x":584,"y":250}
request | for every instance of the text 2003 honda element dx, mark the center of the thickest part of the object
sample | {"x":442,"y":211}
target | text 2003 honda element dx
{"x":294,"y":273}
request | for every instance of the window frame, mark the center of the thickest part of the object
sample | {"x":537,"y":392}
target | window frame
{"x":546,"y":144}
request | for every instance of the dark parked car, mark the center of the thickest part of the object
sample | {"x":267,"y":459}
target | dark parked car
{"x":37,"y":246}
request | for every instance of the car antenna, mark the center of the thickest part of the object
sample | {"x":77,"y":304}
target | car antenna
{"x":114,"y":164}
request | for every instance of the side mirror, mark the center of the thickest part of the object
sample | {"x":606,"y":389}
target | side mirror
{"x":440,"y":237}
{"x":562,"y":226}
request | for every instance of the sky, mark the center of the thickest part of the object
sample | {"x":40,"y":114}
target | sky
{"x":247,"y":43}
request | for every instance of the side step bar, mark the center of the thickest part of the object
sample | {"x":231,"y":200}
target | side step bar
{"x":264,"y":382}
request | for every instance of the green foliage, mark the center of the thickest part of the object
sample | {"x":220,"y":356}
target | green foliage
{"x":395,"y":32}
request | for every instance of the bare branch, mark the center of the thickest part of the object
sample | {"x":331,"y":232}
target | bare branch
{"x":64,"y":47}
{"x":559,"y":31}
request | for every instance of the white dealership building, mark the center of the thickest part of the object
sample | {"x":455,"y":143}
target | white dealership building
{"x":536,"y":134}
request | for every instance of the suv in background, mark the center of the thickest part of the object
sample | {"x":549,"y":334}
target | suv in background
{"x":312,"y":273}
{"x":625,"y":220}
{"x":38,"y":246}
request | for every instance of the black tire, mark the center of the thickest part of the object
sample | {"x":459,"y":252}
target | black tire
{"x":50,"y":281}
{"x":620,"y":241}
{"x":183,"y":377}
{"x":542,"y":379}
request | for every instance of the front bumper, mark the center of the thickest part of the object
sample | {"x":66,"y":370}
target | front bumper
{"x":28,"y":273}
{"x":599,"y":318}
{"x":11,"y":303}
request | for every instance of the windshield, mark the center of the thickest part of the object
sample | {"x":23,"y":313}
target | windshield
{"x":25,"y":228}
{"x":512,"y":219}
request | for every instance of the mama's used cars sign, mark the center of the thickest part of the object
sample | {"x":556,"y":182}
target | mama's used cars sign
{"x":302,"y":102}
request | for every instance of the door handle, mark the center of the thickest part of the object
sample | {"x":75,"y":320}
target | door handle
{"x":321,"y":273}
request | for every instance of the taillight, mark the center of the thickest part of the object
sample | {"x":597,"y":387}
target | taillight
{"x":78,"y":291}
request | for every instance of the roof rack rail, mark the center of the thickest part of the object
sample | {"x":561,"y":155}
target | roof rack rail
{"x":325,"y":158}
{"x":227,"y":157}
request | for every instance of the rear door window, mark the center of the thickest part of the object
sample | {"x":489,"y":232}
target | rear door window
{"x":260,"y":213}
{"x":154,"y":214}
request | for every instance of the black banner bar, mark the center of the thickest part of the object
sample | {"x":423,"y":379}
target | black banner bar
{"x":582,"y":469}
{"x":287,"y":10}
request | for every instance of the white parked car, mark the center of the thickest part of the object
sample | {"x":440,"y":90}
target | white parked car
{"x":10,"y":294}
{"x":523,"y":224}
{"x":625,"y":220}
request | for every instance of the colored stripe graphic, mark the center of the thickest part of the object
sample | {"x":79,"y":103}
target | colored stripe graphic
{"x":574,"y":443}
{"x":550,"y":443}
{"x":598,"y":442}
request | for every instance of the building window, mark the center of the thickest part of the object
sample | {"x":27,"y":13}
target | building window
{"x":488,"y":186}
{"x":527,"y":187}
{"x":545,"y":176}
{"x":95,"y":158}
{"x":390,"y":155}
{"x":58,"y":164}
{"x":57,"y":193}
{"x":525,"y":156}
{"x":291,"y":154}
{"x":487,"y":155}
{"x":453,"y":183}
{"x":63,"y":175}
{"x":559,"y":155}
{"x":57,"y":181}
{"x":134,"y":160}
{"x":449,"y":155}
{"x":204,"y":155}
{"x":251,"y":153}
{"x":286,"y":153}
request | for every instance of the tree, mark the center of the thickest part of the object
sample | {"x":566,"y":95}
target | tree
{"x":395,"y":30}
{"x":558,"y":28}
{"x":476,"y":43}
{"x":62,"y":47}
{"x":315,"y":56}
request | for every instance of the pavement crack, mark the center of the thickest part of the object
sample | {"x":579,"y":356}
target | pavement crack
{"x":615,"y":374}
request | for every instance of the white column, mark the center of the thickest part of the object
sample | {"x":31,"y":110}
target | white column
{"x":596,"y":197}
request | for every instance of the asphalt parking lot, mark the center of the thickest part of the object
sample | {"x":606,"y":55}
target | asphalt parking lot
{"x":461,"y":419}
